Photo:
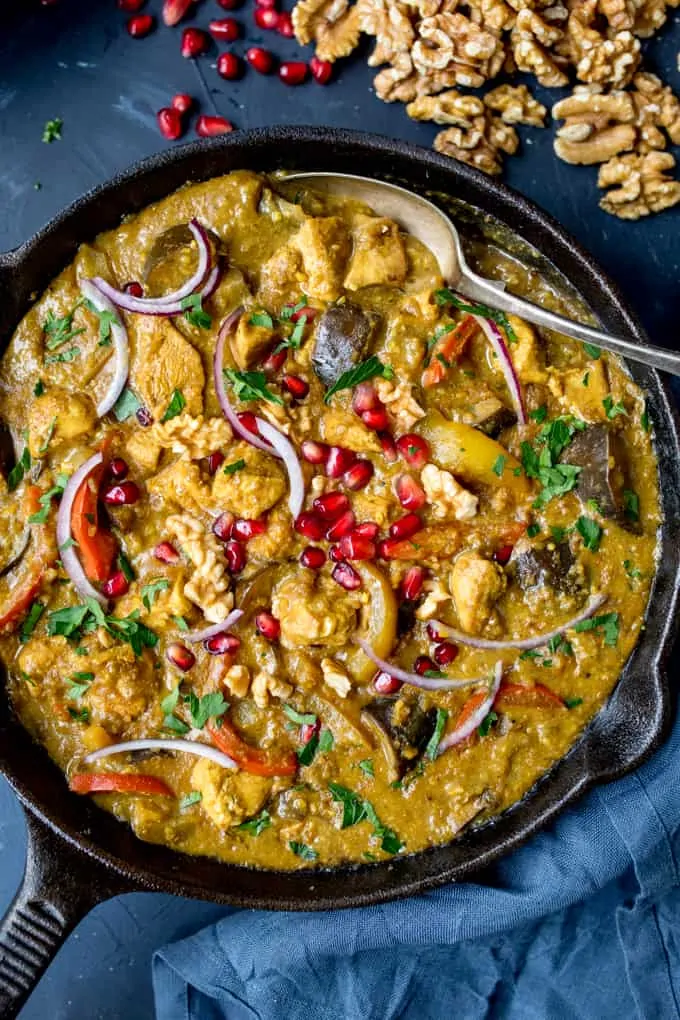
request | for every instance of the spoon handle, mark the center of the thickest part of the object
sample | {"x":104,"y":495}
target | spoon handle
{"x":491,"y":293}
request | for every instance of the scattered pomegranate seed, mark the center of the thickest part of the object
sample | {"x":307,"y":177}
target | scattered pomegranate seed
{"x":312,"y":557}
{"x":118,"y":468}
{"x":406,"y":526}
{"x":166,"y":553}
{"x":503,"y":554}
{"x":386,"y":684}
{"x":134,"y":288}
{"x":435,"y":634}
{"x":445,"y":653}
{"x":194,"y":42}
{"x":341,"y":527}
{"x":412,"y":583}
{"x":260,"y":60}
{"x":116,"y":585}
{"x":414,"y":449}
{"x":225,"y":29}
{"x":376,"y":419}
{"x":284,"y":25}
{"x":229,"y":66}
{"x":368,"y":529}
{"x":215,"y":461}
{"x":140,"y":25}
{"x":268,"y":625}
{"x":235,"y":555}
{"x":275,"y":361}
{"x":249,"y":421}
{"x":364,"y":398}
{"x":298,"y":387}
{"x":339,"y":460}
{"x":308,"y":312}
{"x":266,"y":18}
{"x":174,"y":11}
{"x":170,"y":123}
{"x":246,"y":528}
{"x":356,"y":547}
{"x":409,"y":493}
{"x":144,"y":417}
{"x":389,"y":447}
{"x":424,"y":664}
{"x":310,"y":525}
{"x":335,"y":555}
{"x":182,"y":102}
{"x":229,"y":5}
{"x":359,"y":475}
{"x":222,"y":644}
{"x":313,"y":452}
{"x":180,"y":656}
{"x":208,"y":127}
{"x":346,"y":576}
{"x":292,"y":72}
{"x":122,"y":494}
{"x":321,"y":70}
{"x":131,"y":6}
{"x":331,"y":505}
{"x":222,"y":526}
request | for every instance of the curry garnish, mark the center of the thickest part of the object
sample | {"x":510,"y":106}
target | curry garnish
{"x":254,"y":826}
{"x":372,"y":368}
{"x":175,"y":407}
{"x":302,"y":850}
{"x":52,"y":130}
{"x":251,"y":386}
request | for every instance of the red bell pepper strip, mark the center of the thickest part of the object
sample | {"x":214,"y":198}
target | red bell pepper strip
{"x":118,"y":782}
{"x":43,"y":555}
{"x":446,"y":349}
{"x":96,"y":546}
{"x":536,"y":696}
{"x":249,"y":758}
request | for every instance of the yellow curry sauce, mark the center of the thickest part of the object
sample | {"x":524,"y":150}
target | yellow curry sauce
{"x":519,"y":526}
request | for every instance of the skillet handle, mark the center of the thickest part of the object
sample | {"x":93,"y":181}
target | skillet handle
{"x":60,"y":886}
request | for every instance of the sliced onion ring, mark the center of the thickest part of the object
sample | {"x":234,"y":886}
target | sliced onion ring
{"x":500,"y":348}
{"x":526,"y":643}
{"x":228,"y":411}
{"x":478,"y":716}
{"x":193,"y":636}
{"x":164,"y":744}
{"x":152,"y":305}
{"x":415,"y":679}
{"x":69,"y":558}
{"x":121,"y":349}
{"x":286,"y":451}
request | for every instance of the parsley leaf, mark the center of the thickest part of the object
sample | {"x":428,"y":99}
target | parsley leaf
{"x":631,"y":504}
{"x":487,"y":722}
{"x":79,"y":714}
{"x":45,"y":500}
{"x":210,"y":706}
{"x":79,"y":684}
{"x":126,"y":405}
{"x":303,"y":851}
{"x":263,"y":319}
{"x":533,"y":530}
{"x":63,"y":356}
{"x":31,"y":621}
{"x":592,"y":351}
{"x":326,"y":740}
{"x":192,"y":306}
{"x":590,"y":531}
{"x":52,"y":130}
{"x":644,"y":419}
{"x":612,"y":409}
{"x":366,"y":767}
{"x":631,"y":570}
{"x":254,"y":826}
{"x":498,"y":466}
{"x":447,"y":297}
{"x":572,"y":702}
{"x":539,"y":415}
{"x":251,"y":386}
{"x":60,"y":331}
{"x":151,"y":591}
{"x":73,"y":621}
{"x":301,"y":718}
{"x":369,"y":369}
{"x":175,"y":407}
{"x":106,"y":318}
{"x":195,"y":797}
{"x":435,"y":739}
{"x":15,"y":477}
{"x":39,"y":388}
{"x":238,"y":465}
{"x":355,"y":810}
{"x":307,"y":753}
{"x":125,"y":567}
{"x":608,"y":623}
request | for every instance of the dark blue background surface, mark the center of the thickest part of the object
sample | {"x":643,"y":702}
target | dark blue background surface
{"x":76,"y":61}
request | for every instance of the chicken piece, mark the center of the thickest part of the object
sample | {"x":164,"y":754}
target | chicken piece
{"x":585,"y":391}
{"x":313,"y":610}
{"x":254,"y":489}
{"x":448,"y":498}
{"x":37,"y":658}
{"x":378,"y":254}
{"x":526,"y":352}
{"x":181,"y":485}
{"x":283,"y":269}
{"x":324,"y":245}
{"x":163,"y":361}
{"x":142,"y":451}
{"x":475,"y":584}
{"x":336,"y":677}
{"x":122,"y":688}
{"x":344,"y":428}
{"x":58,"y":416}
{"x":227,"y":797}
{"x":250,"y":343}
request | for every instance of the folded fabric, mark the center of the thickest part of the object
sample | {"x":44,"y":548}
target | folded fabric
{"x":581,"y":922}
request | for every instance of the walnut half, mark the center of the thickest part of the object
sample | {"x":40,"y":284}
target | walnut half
{"x":643,"y":185}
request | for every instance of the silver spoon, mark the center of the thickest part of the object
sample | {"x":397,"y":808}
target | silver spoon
{"x":435,"y":230}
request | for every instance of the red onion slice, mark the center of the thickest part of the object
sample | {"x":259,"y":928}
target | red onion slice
{"x":193,"y":636}
{"x":151,"y":305}
{"x":70,"y":560}
{"x":164,"y":744}
{"x":526,"y":643}
{"x":121,"y":349}
{"x":286,"y":451}
{"x":500,"y":348}
{"x":415,"y":679}
{"x":477,"y":717}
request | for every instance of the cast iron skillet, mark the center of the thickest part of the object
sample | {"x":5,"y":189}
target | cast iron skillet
{"x":79,"y":855}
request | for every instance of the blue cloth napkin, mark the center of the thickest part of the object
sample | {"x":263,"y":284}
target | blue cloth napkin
{"x":582,"y":922}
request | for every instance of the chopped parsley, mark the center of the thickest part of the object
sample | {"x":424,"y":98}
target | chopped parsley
{"x":631,"y":570}
{"x":586,"y":379}
{"x":288,"y":311}
{"x":125,"y":567}
{"x":39,"y":388}
{"x":302,"y":850}
{"x":195,"y":797}
{"x":301,"y":718}
{"x":151,"y":591}
{"x":60,"y":331}
{"x":608,"y":624}
{"x":168,"y":706}
{"x":194,"y":313}
{"x":254,"y":826}
{"x":126,"y":405}
{"x":439,"y":332}
{"x":251,"y":386}
{"x":572,"y":702}
{"x":369,"y":369}
{"x":201,"y":710}
{"x":74,"y":621}
{"x":107,"y":319}
{"x":16,"y":475}
{"x":318,"y":742}
{"x":31,"y":621}
{"x":366,"y":767}
{"x":533,"y":530}
{"x":175,"y":407}
{"x":498,"y":467}
{"x":447,"y":297}
{"x":592,"y":351}
{"x":355,"y":809}
{"x":556,"y":478}
{"x":45,"y":500}
{"x":237,"y":465}
{"x":79,"y":684}
{"x":558,"y":533}
{"x":435,"y":739}
{"x":539,"y":415}
{"x":487,"y":722}
{"x":559,"y":643}
{"x":63,"y":356}
{"x":631,"y":505}
{"x":262,"y":319}
{"x":611,"y":409}
{"x":590,"y":531}
{"x":48,"y":438}
{"x":326,"y":740}
{"x":181,"y":623}
{"x":52,"y":130}
{"x":79,"y":714}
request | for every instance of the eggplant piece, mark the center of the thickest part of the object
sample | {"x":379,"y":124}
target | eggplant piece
{"x":407,"y":725}
{"x":591,"y":450}
{"x":491,"y":417}
{"x":169,"y":243}
{"x":8,"y":457}
{"x":552,"y":565}
{"x":342,"y":339}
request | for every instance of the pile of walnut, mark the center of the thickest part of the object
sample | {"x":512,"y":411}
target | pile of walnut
{"x":619,"y":117}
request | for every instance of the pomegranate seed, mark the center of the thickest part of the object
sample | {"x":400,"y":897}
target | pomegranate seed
{"x":166,"y":553}
{"x":434,"y":634}
{"x":297,"y":386}
{"x":208,"y":127}
{"x":321,"y":70}
{"x":180,"y":656}
{"x":308,"y":312}
{"x":503,"y":554}
{"x":376,"y":419}
{"x":275,"y":361}
{"x":260,"y":60}
{"x":389,"y":447}
{"x":414,"y":449}
{"x":307,"y":731}
{"x":245,"y":528}
{"x":229,"y":5}
{"x":194,"y":42}
{"x":116,"y":585}
{"x":140,"y":25}
{"x":268,"y":625}
{"x":312,"y":557}
{"x":225,"y":29}
{"x":215,"y":461}
{"x":134,"y":288}
{"x":424,"y":664}
{"x":445,"y":653}
{"x":222,"y":644}
{"x":235,"y":555}
{"x":388,"y":547}
{"x":313,"y":452}
{"x":409,"y":493}
{"x":331,"y":505}
{"x":293,"y":72}
{"x":122,"y":494}
{"x":356,"y":547}
{"x":368,"y":529}
{"x":341,"y":527}
{"x":266,"y":18}
{"x":310,"y":525}
{"x":284,"y":25}
{"x":359,"y":475}
{"x":131,"y":6}
{"x":223,"y":525}
{"x":339,"y":460}
{"x":346,"y":576}
{"x":412,"y":583}
{"x":406,"y":526}
{"x":249,"y":421}
{"x":365,"y":398}
{"x":144,"y":417}
{"x":170,"y":123}
{"x":174,"y":11}
{"x":118,"y":468}
{"x":386,"y":684}
{"x":182,"y":102}
{"x":229,"y":66}
{"x":335,"y":555}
